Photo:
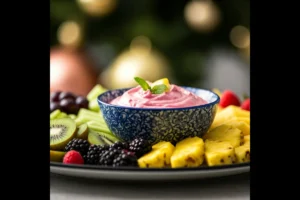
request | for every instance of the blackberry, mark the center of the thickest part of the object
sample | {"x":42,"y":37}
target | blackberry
{"x":139,"y":146}
{"x":106,"y":157}
{"x":119,"y":145}
{"x":79,"y":145}
{"x":125,"y":158}
{"x":92,"y":156}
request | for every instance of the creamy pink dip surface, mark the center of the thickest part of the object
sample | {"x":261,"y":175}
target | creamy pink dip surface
{"x":176,"y":97}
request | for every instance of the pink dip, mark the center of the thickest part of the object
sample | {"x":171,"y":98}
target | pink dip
{"x":177,"y":97}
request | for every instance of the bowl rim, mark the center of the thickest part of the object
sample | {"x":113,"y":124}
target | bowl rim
{"x":159,"y":109}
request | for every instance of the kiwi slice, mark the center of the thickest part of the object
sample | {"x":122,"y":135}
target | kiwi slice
{"x":57,"y":156}
{"x":62,"y":115}
{"x":82,"y":131}
{"x":54,"y":114}
{"x":109,"y":137}
{"x":107,"y":141}
{"x":61,"y":132}
{"x":95,"y":138}
{"x":72,"y":116}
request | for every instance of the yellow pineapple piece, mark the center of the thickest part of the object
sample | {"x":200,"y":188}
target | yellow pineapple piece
{"x":246,"y":139}
{"x":188,"y":153}
{"x":218,"y":153}
{"x":245,"y":128}
{"x":219,"y":109}
{"x":158,"y":157}
{"x":164,"y":81}
{"x":242,"y":153}
{"x":229,"y":113}
{"x":226,"y":133}
{"x":241,"y":119}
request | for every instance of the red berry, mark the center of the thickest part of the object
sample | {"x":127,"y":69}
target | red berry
{"x":73,"y":157}
{"x":229,"y":98}
{"x":246,"y":105}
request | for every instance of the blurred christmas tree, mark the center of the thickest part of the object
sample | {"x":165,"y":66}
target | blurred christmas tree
{"x":183,"y":31}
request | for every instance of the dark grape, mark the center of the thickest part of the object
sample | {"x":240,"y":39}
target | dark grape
{"x":54,"y":96}
{"x":54,"y":106}
{"x":66,"y":95}
{"x":82,"y":102}
{"x":69,"y":106}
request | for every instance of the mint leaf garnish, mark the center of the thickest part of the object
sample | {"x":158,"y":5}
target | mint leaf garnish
{"x":142,"y":83}
{"x":158,"y":89}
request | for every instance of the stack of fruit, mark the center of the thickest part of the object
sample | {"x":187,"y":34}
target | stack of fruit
{"x":226,"y":142}
{"x":83,"y":137}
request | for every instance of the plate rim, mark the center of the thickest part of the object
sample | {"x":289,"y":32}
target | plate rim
{"x":130,"y":169}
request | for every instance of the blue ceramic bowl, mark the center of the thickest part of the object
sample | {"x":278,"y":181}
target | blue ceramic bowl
{"x":157,"y":124}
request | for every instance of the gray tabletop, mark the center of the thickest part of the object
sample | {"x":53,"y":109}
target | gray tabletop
{"x":231,"y":188}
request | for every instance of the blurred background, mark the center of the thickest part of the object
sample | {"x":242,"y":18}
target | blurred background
{"x":201,"y":43}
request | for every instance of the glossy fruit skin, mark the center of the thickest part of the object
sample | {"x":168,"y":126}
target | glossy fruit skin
{"x":73,"y":157}
{"x":246,"y":105}
{"x":54,"y":106}
{"x":229,"y":98}
{"x":66,"y":95}
{"x":82,"y":102}
{"x":69,"y":106}
{"x":54,"y":96}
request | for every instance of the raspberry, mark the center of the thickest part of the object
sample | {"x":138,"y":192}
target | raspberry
{"x":73,"y":157}
{"x":229,"y":98}
{"x":246,"y":105}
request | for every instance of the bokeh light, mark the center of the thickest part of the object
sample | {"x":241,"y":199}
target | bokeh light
{"x":69,"y":34}
{"x":141,"y":44}
{"x":202,"y":15}
{"x":240,"y":37}
{"x":97,"y":8}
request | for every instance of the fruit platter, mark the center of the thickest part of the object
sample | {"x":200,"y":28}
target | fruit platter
{"x":154,"y":131}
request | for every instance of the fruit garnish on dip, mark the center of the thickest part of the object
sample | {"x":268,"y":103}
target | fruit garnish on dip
{"x":159,"y":94}
{"x":157,"y":87}
{"x":163,"y":81}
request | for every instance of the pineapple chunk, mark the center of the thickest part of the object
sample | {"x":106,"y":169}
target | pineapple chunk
{"x":247,"y":139}
{"x":219,"y":109}
{"x":240,"y":119}
{"x":245,"y":128}
{"x":242,"y":153}
{"x":226,"y":133}
{"x":218,"y":153}
{"x":188,"y":153}
{"x":158,"y":157}
{"x":228,"y":113}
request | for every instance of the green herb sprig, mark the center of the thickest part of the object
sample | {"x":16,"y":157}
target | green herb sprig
{"x":157,"y":89}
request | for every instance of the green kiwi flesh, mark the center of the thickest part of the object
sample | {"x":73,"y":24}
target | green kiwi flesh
{"x":109,"y":137}
{"x":95,"y":138}
{"x":62,"y":131}
{"x":82,"y":132}
{"x":62,"y":115}
{"x":72,"y":116}
{"x":54,"y":114}
{"x":57,"y":156}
